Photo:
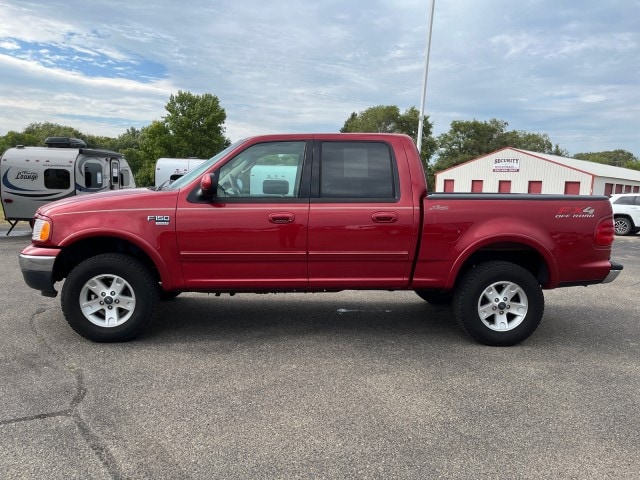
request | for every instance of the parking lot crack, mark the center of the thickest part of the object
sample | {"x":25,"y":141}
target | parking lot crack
{"x":59,"y":360}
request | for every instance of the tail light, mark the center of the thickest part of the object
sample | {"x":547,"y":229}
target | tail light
{"x":605,"y":233}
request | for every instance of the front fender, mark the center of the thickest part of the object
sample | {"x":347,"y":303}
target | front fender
{"x":162,"y":243}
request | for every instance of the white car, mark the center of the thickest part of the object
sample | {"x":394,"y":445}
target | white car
{"x":626,"y":212}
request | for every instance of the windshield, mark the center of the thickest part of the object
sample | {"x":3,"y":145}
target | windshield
{"x":200,"y":169}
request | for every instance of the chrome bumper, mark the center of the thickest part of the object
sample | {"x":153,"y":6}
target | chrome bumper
{"x":38,"y":273}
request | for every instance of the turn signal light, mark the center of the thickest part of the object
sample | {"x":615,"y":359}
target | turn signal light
{"x":41,"y":230}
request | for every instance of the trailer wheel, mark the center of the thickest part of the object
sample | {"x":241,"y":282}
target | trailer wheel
{"x":499,"y":303}
{"x":109,"y":298}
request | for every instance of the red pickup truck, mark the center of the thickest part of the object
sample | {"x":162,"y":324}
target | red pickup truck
{"x":310,"y":213}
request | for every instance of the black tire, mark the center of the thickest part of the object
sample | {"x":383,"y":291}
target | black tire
{"x":622,"y":226}
{"x":486,"y":299}
{"x":114,"y":288}
{"x":435,"y":297}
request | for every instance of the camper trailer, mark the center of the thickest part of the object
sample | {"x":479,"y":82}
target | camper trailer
{"x":170,"y":169}
{"x":33,"y":176}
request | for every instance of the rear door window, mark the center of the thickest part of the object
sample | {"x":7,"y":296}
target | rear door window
{"x":357,"y":170}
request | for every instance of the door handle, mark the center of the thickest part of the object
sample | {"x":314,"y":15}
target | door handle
{"x":385,"y":217}
{"x":281,"y":217}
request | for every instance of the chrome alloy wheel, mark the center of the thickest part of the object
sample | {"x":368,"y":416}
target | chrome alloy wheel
{"x":622,"y":226}
{"x":503,"y":306}
{"x":107,"y":300}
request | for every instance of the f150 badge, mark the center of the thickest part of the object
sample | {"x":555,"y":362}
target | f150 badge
{"x":575,"y":212}
{"x":159,"y":219}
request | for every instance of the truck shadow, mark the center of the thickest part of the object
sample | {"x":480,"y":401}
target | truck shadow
{"x":391,"y":317}
{"x":246,"y":317}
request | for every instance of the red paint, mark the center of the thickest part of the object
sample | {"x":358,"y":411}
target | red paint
{"x":313,"y":243}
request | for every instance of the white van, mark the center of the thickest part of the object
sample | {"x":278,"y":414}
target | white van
{"x":170,"y":169}
{"x":33,"y":176}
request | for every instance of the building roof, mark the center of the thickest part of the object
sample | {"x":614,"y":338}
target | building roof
{"x":592,"y":168}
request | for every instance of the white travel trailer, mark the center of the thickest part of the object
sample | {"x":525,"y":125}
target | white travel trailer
{"x":33,"y":176}
{"x":170,"y":169}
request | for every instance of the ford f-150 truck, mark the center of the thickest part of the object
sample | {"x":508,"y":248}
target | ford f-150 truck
{"x":311,"y":213}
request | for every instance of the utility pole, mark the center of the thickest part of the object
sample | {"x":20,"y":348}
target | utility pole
{"x":424,"y":82}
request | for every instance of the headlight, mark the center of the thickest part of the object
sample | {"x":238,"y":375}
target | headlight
{"x":41,"y":230}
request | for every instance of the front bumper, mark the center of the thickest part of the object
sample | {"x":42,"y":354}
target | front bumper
{"x":37,"y":271}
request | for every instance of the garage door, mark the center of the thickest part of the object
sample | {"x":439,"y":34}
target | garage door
{"x":572,"y":188}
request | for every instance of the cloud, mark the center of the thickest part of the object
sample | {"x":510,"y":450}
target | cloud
{"x":568,"y":70}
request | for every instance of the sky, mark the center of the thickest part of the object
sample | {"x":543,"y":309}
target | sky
{"x":568,"y":69}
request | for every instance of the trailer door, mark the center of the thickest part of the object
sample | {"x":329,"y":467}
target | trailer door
{"x":115,"y":174}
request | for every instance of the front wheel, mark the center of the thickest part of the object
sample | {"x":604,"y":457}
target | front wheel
{"x":109,"y":298}
{"x":499,"y":303}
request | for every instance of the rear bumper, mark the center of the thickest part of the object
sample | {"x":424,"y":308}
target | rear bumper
{"x":37,"y":271}
{"x":616,"y":268}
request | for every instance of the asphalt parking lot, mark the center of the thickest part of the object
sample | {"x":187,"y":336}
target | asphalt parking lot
{"x":346,"y":385}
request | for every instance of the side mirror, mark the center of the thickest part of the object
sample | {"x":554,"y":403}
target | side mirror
{"x":209,"y":185}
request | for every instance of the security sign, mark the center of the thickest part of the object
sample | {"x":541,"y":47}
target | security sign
{"x":506,"y":164}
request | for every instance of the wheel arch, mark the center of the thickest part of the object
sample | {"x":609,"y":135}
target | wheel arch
{"x":81,"y":249}
{"x":625,"y":215}
{"x":536,"y":259}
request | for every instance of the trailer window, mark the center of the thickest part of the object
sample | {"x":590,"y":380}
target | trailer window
{"x":93,"y":175}
{"x":57,"y":179}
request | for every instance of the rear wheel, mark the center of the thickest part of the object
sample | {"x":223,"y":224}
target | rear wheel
{"x":109,"y":298}
{"x":622,"y":226}
{"x":499,"y":303}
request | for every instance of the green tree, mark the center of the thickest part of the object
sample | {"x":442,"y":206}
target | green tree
{"x":11,"y":139}
{"x":470,"y":139}
{"x":35,"y":134}
{"x":388,"y":119}
{"x":618,"y":158}
{"x":195,"y":124}
{"x":193,"y":127}
{"x":379,"y":119}
{"x":154,"y":141}
{"x":40,"y":131}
